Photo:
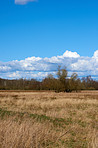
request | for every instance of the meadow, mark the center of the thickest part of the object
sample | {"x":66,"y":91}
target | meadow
{"x":45,"y":119}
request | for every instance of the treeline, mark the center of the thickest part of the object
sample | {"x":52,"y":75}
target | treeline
{"x":61,"y":83}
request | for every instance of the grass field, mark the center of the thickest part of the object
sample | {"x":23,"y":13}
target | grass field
{"x":30,"y":119}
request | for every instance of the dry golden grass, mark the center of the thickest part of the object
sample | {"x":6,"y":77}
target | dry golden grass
{"x":30,"y":119}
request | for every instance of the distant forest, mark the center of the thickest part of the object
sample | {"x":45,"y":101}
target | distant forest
{"x":60,"y":84}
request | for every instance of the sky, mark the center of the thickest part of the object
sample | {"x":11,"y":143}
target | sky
{"x":38,"y":35}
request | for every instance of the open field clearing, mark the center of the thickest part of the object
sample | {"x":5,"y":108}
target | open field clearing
{"x":32,"y":119}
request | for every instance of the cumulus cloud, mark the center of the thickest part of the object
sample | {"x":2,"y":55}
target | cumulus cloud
{"x":71,"y":54}
{"x":37,"y":67}
{"x":23,"y":2}
{"x":95,"y":56}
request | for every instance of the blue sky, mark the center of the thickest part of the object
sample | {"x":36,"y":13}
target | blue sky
{"x":47,"y":28}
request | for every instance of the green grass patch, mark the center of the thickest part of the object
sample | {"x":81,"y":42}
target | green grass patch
{"x":61,"y":122}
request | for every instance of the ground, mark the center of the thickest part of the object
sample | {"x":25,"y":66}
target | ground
{"x":45,"y":119}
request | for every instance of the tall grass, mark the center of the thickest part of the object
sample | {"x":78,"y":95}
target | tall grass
{"x":48,"y":120}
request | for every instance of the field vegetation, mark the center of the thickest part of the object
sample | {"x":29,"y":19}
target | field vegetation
{"x":46,"y":119}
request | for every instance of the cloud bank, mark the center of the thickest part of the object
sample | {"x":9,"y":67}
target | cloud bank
{"x":37,"y":67}
{"x":23,"y":2}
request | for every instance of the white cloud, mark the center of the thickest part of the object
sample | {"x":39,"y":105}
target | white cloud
{"x":40,"y":67}
{"x":81,"y":64}
{"x":96,"y":54}
{"x":71,"y":54}
{"x":33,"y":59}
{"x":4,"y":68}
{"x":14,"y":75}
{"x":23,"y":2}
